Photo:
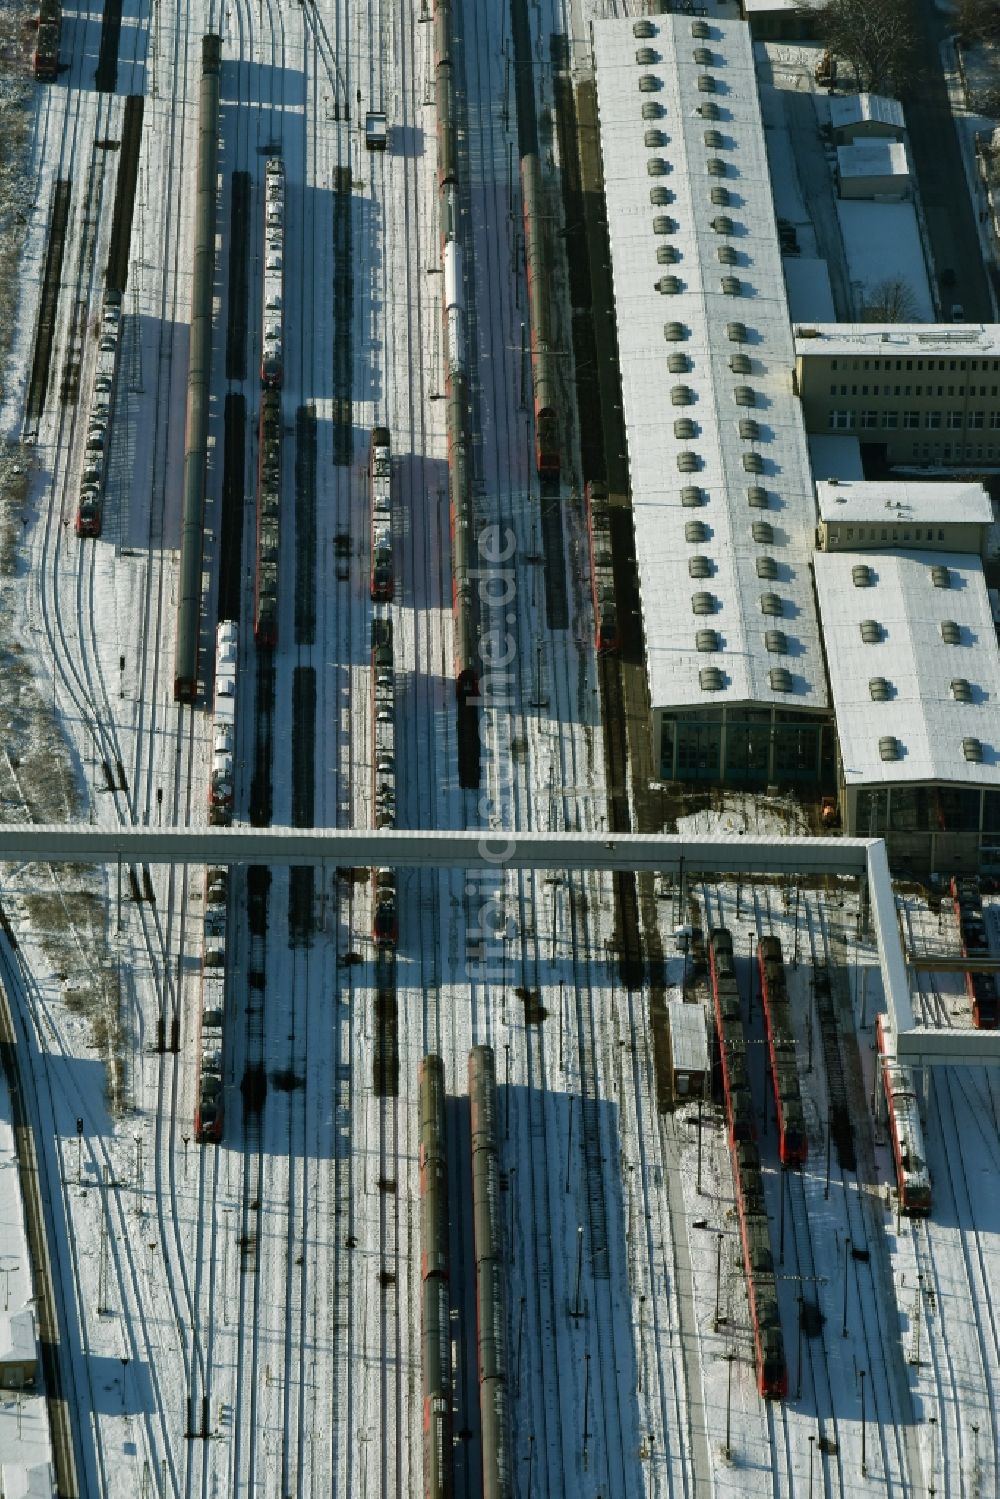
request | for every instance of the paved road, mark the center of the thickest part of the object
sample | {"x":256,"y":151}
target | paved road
{"x":951,"y":218}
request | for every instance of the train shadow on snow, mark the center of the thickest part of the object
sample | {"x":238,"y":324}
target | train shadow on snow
{"x":559,"y":1154}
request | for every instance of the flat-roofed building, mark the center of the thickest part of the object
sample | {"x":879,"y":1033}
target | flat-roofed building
{"x":874,"y":169}
{"x":722,"y":494}
{"x":856,"y":117}
{"x":894,"y":513}
{"x":781,"y":20}
{"x":915,"y":676}
{"x":917,"y":393}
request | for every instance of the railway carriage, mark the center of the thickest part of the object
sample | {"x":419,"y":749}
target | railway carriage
{"x":913,"y":1181}
{"x":602,"y":577}
{"x":265,"y":613}
{"x":383,"y":784}
{"x":793,"y":1144}
{"x":48,"y":25}
{"x":210,"y":1095}
{"x":272,"y":358}
{"x":382,"y":580}
{"x":221,"y":785}
{"x":982,"y":991}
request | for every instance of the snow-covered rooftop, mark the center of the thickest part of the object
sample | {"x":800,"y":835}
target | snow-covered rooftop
{"x":834,"y":455}
{"x":688,"y":1036}
{"x":922,"y":710}
{"x":896,"y":340}
{"x":873,"y":158}
{"x":706,"y":359}
{"x":856,"y":109}
{"x":904,"y":500}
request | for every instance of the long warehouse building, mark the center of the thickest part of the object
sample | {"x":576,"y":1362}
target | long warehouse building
{"x":721,"y":490}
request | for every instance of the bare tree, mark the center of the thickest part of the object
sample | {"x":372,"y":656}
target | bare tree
{"x":875,"y":38}
{"x":890,"y":300}
{"x":978,"y":21}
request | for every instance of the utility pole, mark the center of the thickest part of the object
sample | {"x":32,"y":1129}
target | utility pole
{"x":699,"y":1140}
{"x":730,"y":1357}
{"x":718,"y":1277}
{"x":847,"y":1260}
{"x":579,"y":1270}
{"x":864,"y":1431}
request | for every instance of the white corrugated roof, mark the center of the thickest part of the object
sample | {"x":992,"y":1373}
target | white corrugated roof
{"x":853,"y":109}
{"x":704,"y":311}
{"x":905,"y":500}
{"x":921,"y":712}
{"x":873,"y":158}
{"x":688,"y":1036}
{"x":899,"y":340}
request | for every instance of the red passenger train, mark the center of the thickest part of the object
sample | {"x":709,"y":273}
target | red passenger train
{"x":793,"y":1143}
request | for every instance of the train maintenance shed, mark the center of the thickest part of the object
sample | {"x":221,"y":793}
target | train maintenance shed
{"x":722,"y":493}
{"x":915,"y":675}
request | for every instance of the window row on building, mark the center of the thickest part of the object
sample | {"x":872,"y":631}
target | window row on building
{"x":911,"y":421}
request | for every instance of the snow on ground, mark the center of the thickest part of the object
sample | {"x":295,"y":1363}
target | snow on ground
{"x":869,"y":229}
{"x":270,"y":1288}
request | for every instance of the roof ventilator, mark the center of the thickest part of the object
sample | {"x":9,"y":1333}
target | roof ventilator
{"x":647,"y":57}
{"x":715,"y":166}
{"x":770,"y":603}
{"x":722,"y":224}
{"x":648,"y":83}
{"x":861,"y":575}
{"x":703,"y":57}
{"x":667,"y":255}
{"x":688,"y":462}
{"x":736,"y":333}
{"x":657,"y":166}
{"x":681,"y":395}
{"x":879,"y":689}
{"x":711,"y":679}
{"x":700,"y":29}
{"x":642,"y":30}
{"x":655,"y":138}
{"x":692,"y":496}
{"x":707,"y":640}
{"x":727,"y":255}
{"x":740,"y":364}
{"x":940,"y":577}
{"x":706,"y":83}
{"x":776,"y":642}
{"x":685,"y":428}
{"x":699,"y":567}
{"x":663,"y":223}
{"x":757,"y":497}
{"x":753,"y":463}
{"x":695,"y":530}
{"x":678,"y":363}
{"x":780,"y":678}
{"x":951,"y":634}
{"x":703,"y":603}
{"x":668,"y":286}
{"x":871,"y":631}
{"x":749,"y":429}
{"x":710,"y":110}
{"x":961,"y":690}
{"x":652,"y":110}
{"x":659,"y":195}
{"x":767,"y":568}
{"x":972,"y":749}
{"x":762,"y":532}
{"x":889,"y":748}
{"x":720,"y":196}
{"x":732,"y":286}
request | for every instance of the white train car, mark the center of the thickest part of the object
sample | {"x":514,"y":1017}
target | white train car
{"x":90,"y":506}
{"x":221,"y":783}
{"x":272,"y":358}
{"x":913,"y":1179}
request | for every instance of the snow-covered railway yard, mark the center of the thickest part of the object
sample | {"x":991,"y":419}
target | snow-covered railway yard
{"x":245,"y":1317}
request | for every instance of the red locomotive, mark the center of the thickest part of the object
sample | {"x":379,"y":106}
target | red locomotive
{"x":793,"y":1144}
{"x":913,"y":1181}
{"x":982,"y":991}
{"x":602,"y":578}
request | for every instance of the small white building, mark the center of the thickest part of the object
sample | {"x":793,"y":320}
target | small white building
{"x":688,"y":1048}
{"x":874,"y":169}
{"x":858,"y":117}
